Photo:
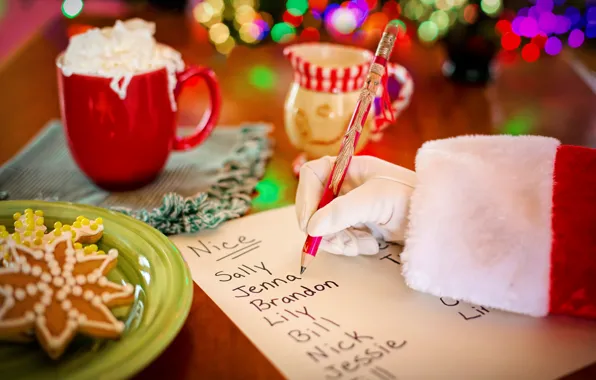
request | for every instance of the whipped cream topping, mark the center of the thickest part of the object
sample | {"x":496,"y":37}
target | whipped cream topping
{"x":120,"y":52}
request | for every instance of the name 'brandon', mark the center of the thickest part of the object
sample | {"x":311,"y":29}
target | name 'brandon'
{"x":304,"y":292}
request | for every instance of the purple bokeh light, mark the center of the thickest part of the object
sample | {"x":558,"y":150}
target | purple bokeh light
{"x":563,"y":25}
{"x":547,"y":22}
{"x":516,"y":25}
{"x":529,"y":27}
{"x":553,"y":46}
{"x":544,"y":5}
{"x":576,"y":38}
{"x":558,"y":22}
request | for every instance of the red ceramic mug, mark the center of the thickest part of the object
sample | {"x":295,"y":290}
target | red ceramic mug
{"x":123,"y":144}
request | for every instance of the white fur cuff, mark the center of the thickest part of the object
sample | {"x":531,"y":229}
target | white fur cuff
{"x":480,"y":221}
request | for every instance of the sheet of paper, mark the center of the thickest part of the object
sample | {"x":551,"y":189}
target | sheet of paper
{"x":354,"y":318}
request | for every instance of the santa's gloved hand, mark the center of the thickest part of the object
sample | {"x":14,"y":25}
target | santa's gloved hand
{"x":373,"y":204}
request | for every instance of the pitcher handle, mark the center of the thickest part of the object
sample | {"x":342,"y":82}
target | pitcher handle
{"x":401,"y":101}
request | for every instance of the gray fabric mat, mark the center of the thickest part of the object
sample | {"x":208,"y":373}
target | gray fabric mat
{"x":45,"y":170}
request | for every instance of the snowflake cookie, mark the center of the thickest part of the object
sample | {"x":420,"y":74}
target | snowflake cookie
{"x":56,"y":291}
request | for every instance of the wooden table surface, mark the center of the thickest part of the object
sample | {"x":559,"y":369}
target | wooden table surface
{"x":545,"y":97}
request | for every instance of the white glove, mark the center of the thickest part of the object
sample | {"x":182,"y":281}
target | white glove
{"x":373,"y":204}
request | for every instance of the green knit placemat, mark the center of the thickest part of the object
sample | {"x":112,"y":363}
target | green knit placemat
{"x":237,"y":160}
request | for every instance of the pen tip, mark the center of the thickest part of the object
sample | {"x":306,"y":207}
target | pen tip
{"x":302,"y":269}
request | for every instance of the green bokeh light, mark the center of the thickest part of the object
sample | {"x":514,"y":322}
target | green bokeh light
{"x":519,"y":125}
{"x":400,"y":25}
{"x":428,"y":31}
{"x":441,"y":19}
{"x":262,"y":77}
{"x":297,"y":7}
{"x":269,"y":192}
{"x":72,"y":8}
{"x":282,"y":32}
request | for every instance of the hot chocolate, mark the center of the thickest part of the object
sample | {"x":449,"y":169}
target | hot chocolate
{"x":121,"y":52}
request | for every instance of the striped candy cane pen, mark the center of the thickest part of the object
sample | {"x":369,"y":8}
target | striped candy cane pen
{"x":340,"y":168}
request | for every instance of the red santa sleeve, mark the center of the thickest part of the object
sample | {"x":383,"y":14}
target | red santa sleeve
{"x":505,"y":222}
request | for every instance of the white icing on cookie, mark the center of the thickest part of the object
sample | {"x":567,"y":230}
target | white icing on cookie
{"x":57,"y":287}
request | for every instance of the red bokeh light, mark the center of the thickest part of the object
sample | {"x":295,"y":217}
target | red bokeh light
{"x":510,"y":41}
{"x":318,"y":5}
{"x":372,"y":4}
{"x":503,"y":26}
{"x":539,"y":40}
{"x":291,"y":19}
{"x":392,"y":9}
{"x":530,"y":52}
{"x":310,"y":34}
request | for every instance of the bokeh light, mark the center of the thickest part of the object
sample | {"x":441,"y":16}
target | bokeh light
{"x":553,"y":46}
{"x":310,"y":34}
{"x":227,"y":46}
{"x":283,"y":32}
{"x":72,"y":8}
{"x":219,"y":33}
{"x":510,"y":41}
{"x":576,"y":38}
{"x":250,"y":33}
{"x":530,"y":52}
{"x":262,"y":77}
{"x":428,"y":31}
{"x":297,"y":7}
{"x":318,"y":5}
{"x":203,"y":12}
{"x":342,"y":20}
{"x":549,"y":24}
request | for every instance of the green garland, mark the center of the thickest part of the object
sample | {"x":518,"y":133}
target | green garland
{"x":228,"y":198}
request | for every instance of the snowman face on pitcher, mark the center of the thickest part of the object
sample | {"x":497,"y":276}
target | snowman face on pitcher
{"x":318,"y":128}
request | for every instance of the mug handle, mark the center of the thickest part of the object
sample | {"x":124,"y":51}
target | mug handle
{"x":398,"y":104}
{"x":211,"y":116}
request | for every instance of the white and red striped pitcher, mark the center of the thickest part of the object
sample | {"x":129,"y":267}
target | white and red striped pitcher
{"x":327,"y":82}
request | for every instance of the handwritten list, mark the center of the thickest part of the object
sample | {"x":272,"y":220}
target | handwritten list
{"x":354,"y":318}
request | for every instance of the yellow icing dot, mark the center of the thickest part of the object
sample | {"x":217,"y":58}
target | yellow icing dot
{"x":39,"y":221}
{"x":78,"y":245}
{"x":16,"y":237}
{"x":38,"y":213}
{"x":16,"y":215}
{"x":80,"y":217}
{"x":27,"y":244}
{"x":57,"y":225}
{"x":39,"y":233}
{"x":74,"y":239}
{"x":94,"y":226}
{"x":87,"y":250}
{"x":18,"y":224}
{"x":4,"y":234}
{"x":99,"y":221}
{"x":66,"y":228}
{"x":2,"y":228}
{"x":100,"y":252}
{"x":37,"y":241}
{"x":57,"y":232}
{"x":28,"y":233}
{"x":85,"y":222}
{"x":77,"y":224}
{"x":31,"y":227}
{"x":28,"y":211}
{"x":93,"y":247}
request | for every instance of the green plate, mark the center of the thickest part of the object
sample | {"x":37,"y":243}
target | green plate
{"x":148,"y":260}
